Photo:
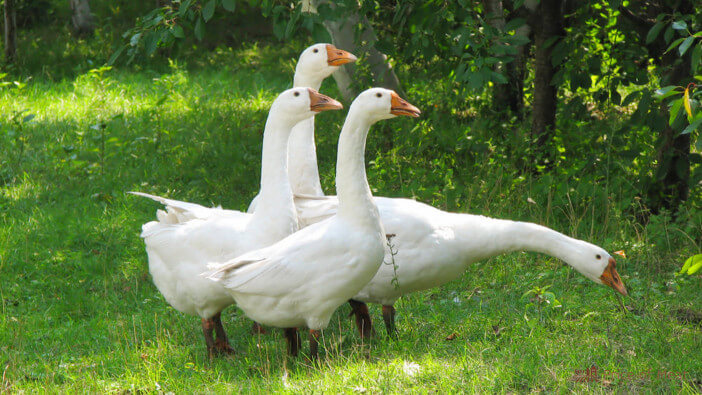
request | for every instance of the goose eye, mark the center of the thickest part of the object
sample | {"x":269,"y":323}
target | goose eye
{"x":298,"y":94}
{"x":315,"y":50}
{"x":378,"y":94}
{"x":598,"y":256}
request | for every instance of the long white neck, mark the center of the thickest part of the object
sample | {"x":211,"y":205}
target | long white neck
{"x":302,"y":80}
{"x":302,"y":151}
{"x":302,"y":158}
{"x":486,"y":237}
{"x":275,"y":198}
{"x":355,"y":198}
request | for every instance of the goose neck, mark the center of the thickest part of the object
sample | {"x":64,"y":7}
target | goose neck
{"x":502,"y":236}
{"x":355,"y":198}
{"x":304,"y":81}
{"x":302,"y":160}
{"x":538,"y":238}
{"x":275,"y":186}
{"x":302,"y":151}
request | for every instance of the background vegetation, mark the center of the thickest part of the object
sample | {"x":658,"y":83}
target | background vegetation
{"x":179,"y":112}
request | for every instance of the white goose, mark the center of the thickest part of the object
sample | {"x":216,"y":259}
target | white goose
{"x":435,"y":247}
{"x":187,"y":236}
{"x":316,"y":63}
{"x":303,"y":278}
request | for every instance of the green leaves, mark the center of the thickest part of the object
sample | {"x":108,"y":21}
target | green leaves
{"x":99,"y":72}
{"x":184,"y":7}
{"x":550,"y":298}
{"x":208,"y":10}
{"x":675,"y":44}
{"x":665,"y":92}
{"x":684,"y":101}
{"x":560,"y":52}
{"x":177,"y":31}
{"x":682,"y":43}
{"x":229,"y":5}
{"x":542,"y":295}
{"x":116,"y":55}
{"x":199,"y":30}
{"x":679,"y":25}
{"x":134,"y":40}
{"x":164,"y":25}
{"x":514,"y":24}
{"x":692,"y":265}
{"x":693,"y":126}
{"x":151,"y":43}
{"x":630,"y":98}
{"x":674,"y":110}
{"x":653,"y":33}
{"x":685,"y":45}
{"x":696,"y":56}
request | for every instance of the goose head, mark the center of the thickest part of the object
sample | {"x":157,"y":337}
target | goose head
{"x":596,"y":264}
{"x":378,"y":103}
{"x":298,"y":104}
{"x":319,"y":61}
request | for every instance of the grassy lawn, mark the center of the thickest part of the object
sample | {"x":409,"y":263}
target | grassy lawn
{"x":80,"y":312}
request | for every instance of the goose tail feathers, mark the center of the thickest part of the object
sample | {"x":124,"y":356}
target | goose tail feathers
{"x":176,"y":211}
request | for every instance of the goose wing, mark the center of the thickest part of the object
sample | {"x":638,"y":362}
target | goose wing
{"x":312,"y":209}
{"x":281,"y":268}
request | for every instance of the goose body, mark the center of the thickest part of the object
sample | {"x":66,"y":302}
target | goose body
{"x":302,"y":279}
{"x":434,"y":247}
{"x":187,"y":236}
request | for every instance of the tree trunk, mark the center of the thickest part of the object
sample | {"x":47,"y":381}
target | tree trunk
{"x":495,"y":18}
{"x":82,"y":19}
{"x":10,"y":31}
{"x":344,"y":36}
{"x":549,"y":24}
{"x":511,"y":93}
{"x":670,"y":184}
{"x":516,"y":72}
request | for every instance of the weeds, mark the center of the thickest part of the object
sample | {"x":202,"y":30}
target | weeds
{"x":393,"y":251}
{"x":540,"y":297}
{"x":169,"y":86}
{"x":14,"y":132}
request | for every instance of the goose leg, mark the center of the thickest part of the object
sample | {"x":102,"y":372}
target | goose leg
{"x":363,"y":319}
{"x":294,"y":341}
{"x":221,"y":344}
{"x":389,"y":318}
{"x":207,"y":327}
{"x":314,"y":344}
{"x":258,"y":329}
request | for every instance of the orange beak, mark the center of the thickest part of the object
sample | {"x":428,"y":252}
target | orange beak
{"x":398,"y":106}
{"x":320,"y":102}
{"x":610,"y":278}
{"x":337,"y":57}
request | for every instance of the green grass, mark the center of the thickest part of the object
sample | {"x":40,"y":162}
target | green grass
{"x":80,"y":312}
